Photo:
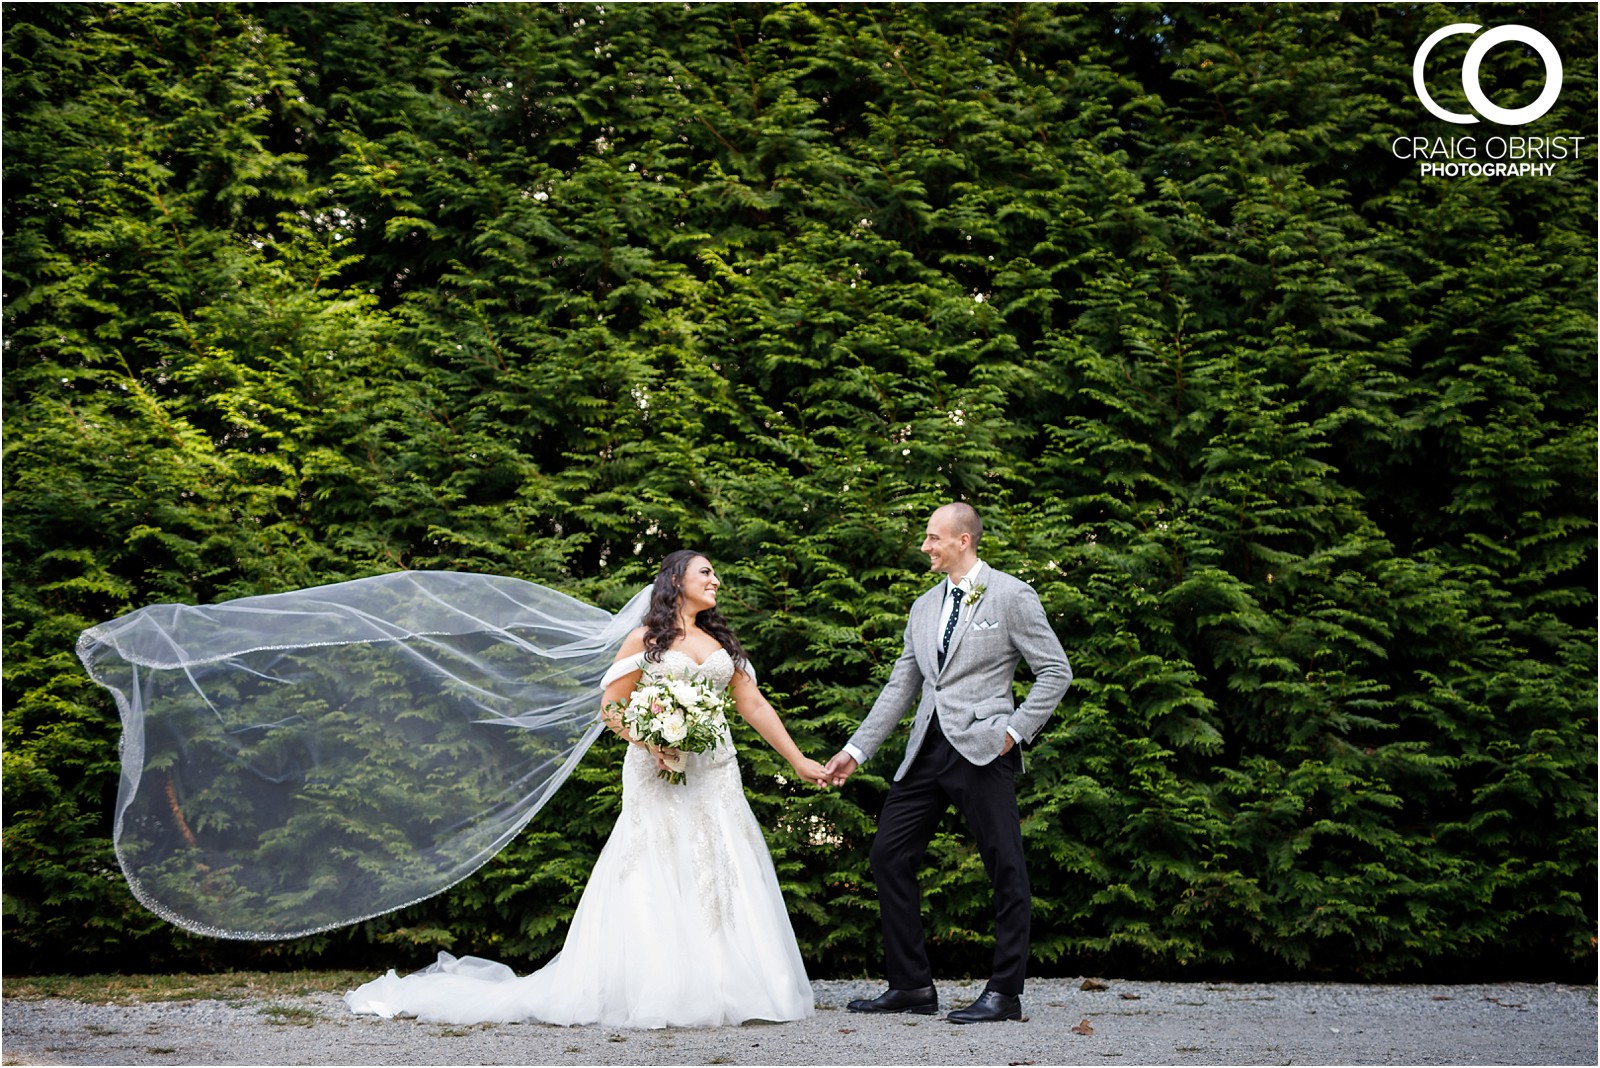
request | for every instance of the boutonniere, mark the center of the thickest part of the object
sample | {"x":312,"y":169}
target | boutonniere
{"x":975,"y":595}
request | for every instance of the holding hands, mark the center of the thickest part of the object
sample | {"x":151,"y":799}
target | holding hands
{"x":811,"y":771}
{"x":839,"y":768}
{"x":843,"y":765}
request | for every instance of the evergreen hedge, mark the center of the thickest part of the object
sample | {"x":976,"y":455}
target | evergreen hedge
{"x":1297,"y":445}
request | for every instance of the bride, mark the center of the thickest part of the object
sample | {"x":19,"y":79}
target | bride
{"x":682,"y":923}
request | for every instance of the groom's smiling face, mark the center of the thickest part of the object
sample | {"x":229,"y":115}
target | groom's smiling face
{"x":944,"y":544}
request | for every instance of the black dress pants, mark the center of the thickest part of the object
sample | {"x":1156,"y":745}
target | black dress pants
{"x":987,"y":797}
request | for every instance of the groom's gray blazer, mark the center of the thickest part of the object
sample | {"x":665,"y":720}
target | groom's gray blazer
{"x":972,"y":694}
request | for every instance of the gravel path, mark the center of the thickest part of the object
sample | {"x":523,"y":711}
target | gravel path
{"x":1131,"y":1023}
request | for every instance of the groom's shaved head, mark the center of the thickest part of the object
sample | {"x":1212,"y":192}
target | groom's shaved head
{"x":964,"y":518}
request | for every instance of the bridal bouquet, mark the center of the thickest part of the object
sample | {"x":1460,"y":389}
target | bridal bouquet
{"x":687,"y":715}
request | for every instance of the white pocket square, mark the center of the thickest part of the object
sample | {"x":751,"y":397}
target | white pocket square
{"x":986,"y":624}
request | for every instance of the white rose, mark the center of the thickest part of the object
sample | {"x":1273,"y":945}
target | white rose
{"x":640,"y":700}
{"x":672,"y":727}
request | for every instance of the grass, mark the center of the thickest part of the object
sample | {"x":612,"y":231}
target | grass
{"x":290,"y":1014}
{"x":137,"y":989}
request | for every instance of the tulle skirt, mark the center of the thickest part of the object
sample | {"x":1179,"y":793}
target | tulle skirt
{"x":681,"y":925}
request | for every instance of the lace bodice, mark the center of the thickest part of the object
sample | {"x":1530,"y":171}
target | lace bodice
{"x":718,"y":668}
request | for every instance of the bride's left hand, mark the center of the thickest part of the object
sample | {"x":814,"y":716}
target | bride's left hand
{"x":666,"y":758}
{"x":811,"y":771}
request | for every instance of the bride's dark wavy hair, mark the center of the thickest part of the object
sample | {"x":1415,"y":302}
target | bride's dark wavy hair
{"x":661,"y":618}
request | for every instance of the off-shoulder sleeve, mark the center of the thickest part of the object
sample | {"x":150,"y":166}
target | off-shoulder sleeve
{"x":625,"y":666}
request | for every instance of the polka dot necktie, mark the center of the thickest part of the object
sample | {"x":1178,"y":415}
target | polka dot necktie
{"x":950,"y":625}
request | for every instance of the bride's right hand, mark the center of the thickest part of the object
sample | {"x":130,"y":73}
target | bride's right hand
{"x":666,"y":758}
{"x":811,"y":771}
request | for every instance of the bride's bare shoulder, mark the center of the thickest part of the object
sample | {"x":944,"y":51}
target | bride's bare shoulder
{"x":633,"y":644}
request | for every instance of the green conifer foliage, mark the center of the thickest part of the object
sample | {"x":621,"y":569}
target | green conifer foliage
{"x":1296,"y":445}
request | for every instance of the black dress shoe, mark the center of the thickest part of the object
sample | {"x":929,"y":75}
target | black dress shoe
{"x":990,"y":1007}
{"x":923,"y":1001}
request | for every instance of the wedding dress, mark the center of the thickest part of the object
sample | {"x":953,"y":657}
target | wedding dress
{"x":682,"y":923}
{"x":300,"y":761}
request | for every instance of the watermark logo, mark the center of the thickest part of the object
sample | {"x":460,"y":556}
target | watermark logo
{"x":1496,"y":156}
{"x":1471,"y":66}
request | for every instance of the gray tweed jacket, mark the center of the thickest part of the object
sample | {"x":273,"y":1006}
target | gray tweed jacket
{"x":972,"y":694}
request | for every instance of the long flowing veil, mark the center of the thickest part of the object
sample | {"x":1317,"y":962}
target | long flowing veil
{"x":300,"y":761}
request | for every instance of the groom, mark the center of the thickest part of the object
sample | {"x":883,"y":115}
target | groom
{"x":962,"y":643}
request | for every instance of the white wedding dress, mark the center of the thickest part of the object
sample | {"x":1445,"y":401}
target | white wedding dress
{"x":681,"y":925}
